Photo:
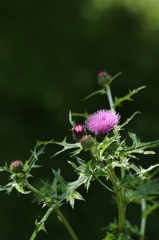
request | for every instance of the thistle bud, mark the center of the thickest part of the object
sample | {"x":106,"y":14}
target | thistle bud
{"x":87,"y":141}
{"x":78,"y":132}
{"x":16,"y":166}
{"x":103,"y":78}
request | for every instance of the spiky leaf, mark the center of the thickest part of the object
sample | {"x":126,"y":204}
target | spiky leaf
{"x":66,"y":146}
{"x":127,"y":97}
{"x":139,"y":147}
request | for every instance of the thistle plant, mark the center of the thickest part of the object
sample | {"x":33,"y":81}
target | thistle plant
{"x":111,"y":163}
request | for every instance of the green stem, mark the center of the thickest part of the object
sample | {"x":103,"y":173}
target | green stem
{"x":67,"y":225}
{"x":40,"y":225}
{"x":111,"y":103}
{"x":119,"y":197}
{"x":109,"y":94}
{"x":143,"y":219}
{"x":119,"y":193}
{"x":33,"y":189}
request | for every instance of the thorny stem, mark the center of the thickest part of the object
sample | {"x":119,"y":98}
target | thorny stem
{"x":111,"y":103}
{"x":42,"y":221}
{"x":40,"y":225}
{"x":119,"y":198}
{"x":119,"y":193}
{"x":65,"y":222}
{"x":113,"y":178}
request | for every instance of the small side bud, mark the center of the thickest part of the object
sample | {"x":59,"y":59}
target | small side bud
{"x":103,"y":78}
{"x":87,"y":141}
{"x":78,"y":132}
{"x":16,"y":166}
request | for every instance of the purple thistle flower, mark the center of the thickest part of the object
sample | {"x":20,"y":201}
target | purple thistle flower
{"x":102,"y":121}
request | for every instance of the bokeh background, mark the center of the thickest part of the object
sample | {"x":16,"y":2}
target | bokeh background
{"x":50,"y":54}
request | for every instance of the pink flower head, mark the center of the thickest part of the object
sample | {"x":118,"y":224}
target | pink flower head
{"x":100,"y":74}
{"x":78,"y":128}
{"x":78,"y":132}
{"x":102,"y":121}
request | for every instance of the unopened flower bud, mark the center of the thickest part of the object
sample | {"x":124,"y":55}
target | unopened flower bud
{"x":16,"y":166}
{"x":87,"y":141}
{"x":78,"y":132}
{"x":103,"y":78}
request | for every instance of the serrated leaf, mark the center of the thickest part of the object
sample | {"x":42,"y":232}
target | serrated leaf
{"x":143,"y":190}
{"x":148,"y":152}
{"x":38,"y":150}
{"x":70,"y":119}
{"x":101,"y":91}
{"x":69,"y":189}
{"x":76,"y":152}
{"x":88,"y":182}
{"x":8,"y":187}
{"x":129,"y":119}
{"x":59,"y":178}
{"x":66,"y":146}
{"x":73,"y":185}
{"x":118,"y":101}
{"x":126,"y":165}
{"x":139,"y":147}
{"x":84,"y":115}
{"x":144,"y":171}
{"x":72,"y":196}
{"x":72,"y":164}
{"x":6,"y":169}
{"x":150,"y":208}
{"x":115,"y":76}
{"x":109,"y":236}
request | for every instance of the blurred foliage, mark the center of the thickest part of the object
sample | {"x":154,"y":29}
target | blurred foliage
{"x":50,"y":54}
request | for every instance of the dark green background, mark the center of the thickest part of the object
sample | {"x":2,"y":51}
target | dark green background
{"x":50,"y":54}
